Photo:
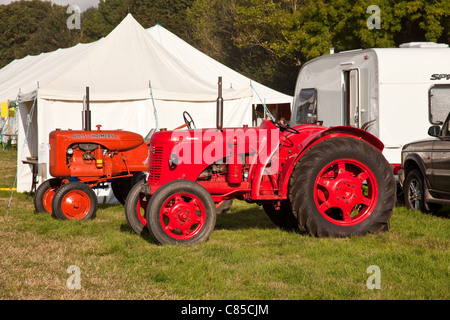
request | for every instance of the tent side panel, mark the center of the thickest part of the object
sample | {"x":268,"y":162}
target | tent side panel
{"x":26,"y":144}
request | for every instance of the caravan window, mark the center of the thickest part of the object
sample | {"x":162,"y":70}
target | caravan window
{"x":306,"y":107}
{"x":439,"y":103}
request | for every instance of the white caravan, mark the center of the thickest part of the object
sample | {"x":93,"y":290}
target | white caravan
{"x":394,"y":93}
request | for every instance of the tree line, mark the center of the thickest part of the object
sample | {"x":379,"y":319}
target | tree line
{"x":267,"y":40}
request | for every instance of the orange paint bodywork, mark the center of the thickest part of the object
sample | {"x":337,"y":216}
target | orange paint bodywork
{"x":96,"y":155}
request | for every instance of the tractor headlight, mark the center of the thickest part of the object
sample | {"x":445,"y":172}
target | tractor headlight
{"x":69,"y":151}
{"x":173,"y":160}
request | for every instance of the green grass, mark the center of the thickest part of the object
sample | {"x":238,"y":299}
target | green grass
{"x":247,"y":257}
{"x":8,"y":160}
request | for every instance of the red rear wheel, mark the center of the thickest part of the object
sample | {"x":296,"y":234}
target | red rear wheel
{"x":346,"y":192}
{"x":342,"y":186}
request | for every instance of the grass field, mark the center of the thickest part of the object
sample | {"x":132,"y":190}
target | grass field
{"x":247,"y":257}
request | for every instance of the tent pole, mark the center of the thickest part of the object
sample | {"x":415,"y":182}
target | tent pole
{"x":155,"y":112}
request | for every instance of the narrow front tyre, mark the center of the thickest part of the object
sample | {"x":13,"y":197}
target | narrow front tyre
{"x":74,"y":201}
{"x":135,"y":208}
{"x":182,"y":212}
{"x":44,"y":195}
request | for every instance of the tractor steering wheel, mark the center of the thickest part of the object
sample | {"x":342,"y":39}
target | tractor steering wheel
{"x":285,"y":127}
{"x":187,"y":121}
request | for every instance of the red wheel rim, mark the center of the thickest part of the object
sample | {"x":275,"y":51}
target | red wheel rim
{"x":141,"y":207}
{"x":346,"y":192}
{"x":48,"y":198}
{"x":182,"y":216}
{"x":76,"y":205}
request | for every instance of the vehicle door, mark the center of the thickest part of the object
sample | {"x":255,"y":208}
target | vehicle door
{"x":352,"y":112}
{"x":440,"y":160}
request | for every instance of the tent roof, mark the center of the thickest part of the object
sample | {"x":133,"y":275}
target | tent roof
{"x":24,"y":75}
{"x":120,"y":67}
{"x":210,"y":69}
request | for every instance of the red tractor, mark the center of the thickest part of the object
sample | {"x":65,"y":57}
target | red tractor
{"x":326,"y":181}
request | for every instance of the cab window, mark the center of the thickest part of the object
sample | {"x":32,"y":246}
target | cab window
{"x":306,"y":105}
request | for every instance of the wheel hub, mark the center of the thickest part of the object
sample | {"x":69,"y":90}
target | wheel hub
{"x":339,"y":192}
{"x":345,"y":191}
{"x":181,"y":212}
{"x":75,"y":205}
{"x":183,"y":216}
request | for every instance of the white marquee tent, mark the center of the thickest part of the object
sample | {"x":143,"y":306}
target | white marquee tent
{"x":130,"y":76}
{"x":209,"y":68}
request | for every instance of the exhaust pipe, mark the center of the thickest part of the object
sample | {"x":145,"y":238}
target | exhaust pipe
{"x":86,"y":112}
{"x":219,"y":117}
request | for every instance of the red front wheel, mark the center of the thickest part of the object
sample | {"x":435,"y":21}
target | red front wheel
{"x":44,"y":195}
{"x":135,"y":209}
{"x":74,"y":201}
{"x":181,"y":211}
{"x":342,"y":186}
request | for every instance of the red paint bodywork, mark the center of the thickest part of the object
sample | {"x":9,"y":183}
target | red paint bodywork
{"x":266,"y":160}
{"x":96,"y":156}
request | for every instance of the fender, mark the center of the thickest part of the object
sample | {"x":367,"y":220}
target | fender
{"x":325,"y":133}
{"x":418,"y":162}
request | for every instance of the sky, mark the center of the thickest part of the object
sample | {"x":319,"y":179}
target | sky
{"x":83,"y":4}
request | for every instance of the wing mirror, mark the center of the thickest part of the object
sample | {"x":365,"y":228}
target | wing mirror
{"x":434,"y":131}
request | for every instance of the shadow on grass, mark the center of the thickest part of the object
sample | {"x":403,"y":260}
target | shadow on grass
{"x":232,"y":219}
{"x":125,"y":228}
{"x":444,"y":212}
{"x":244,"y":218}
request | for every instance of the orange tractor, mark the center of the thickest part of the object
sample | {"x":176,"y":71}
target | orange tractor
{"x":83,"y":160}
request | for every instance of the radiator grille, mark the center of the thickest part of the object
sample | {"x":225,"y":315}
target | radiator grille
{"x":155,"y":164}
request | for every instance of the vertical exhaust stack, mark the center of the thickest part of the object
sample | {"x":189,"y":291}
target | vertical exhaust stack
{"x":86,"y":112}
{"x":219,"y":117}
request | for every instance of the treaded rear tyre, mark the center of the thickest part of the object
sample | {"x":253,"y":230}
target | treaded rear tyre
{"x":224,"y":206}
{"x":122,"y":186}
{"x":283,"y":218}
{"x":341,"y":187}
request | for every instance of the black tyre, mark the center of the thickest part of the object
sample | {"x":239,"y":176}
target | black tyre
{"x":135,"y":208}
{"x":224,"y":206}
{"x":414,"y":191}
{"x":341,"y":187}
{"x":181,"y":211}
{"x":74,"y":201}
{"x":283,"y":218}
{"x":44,"y":195}
{"x":122,"y":186}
